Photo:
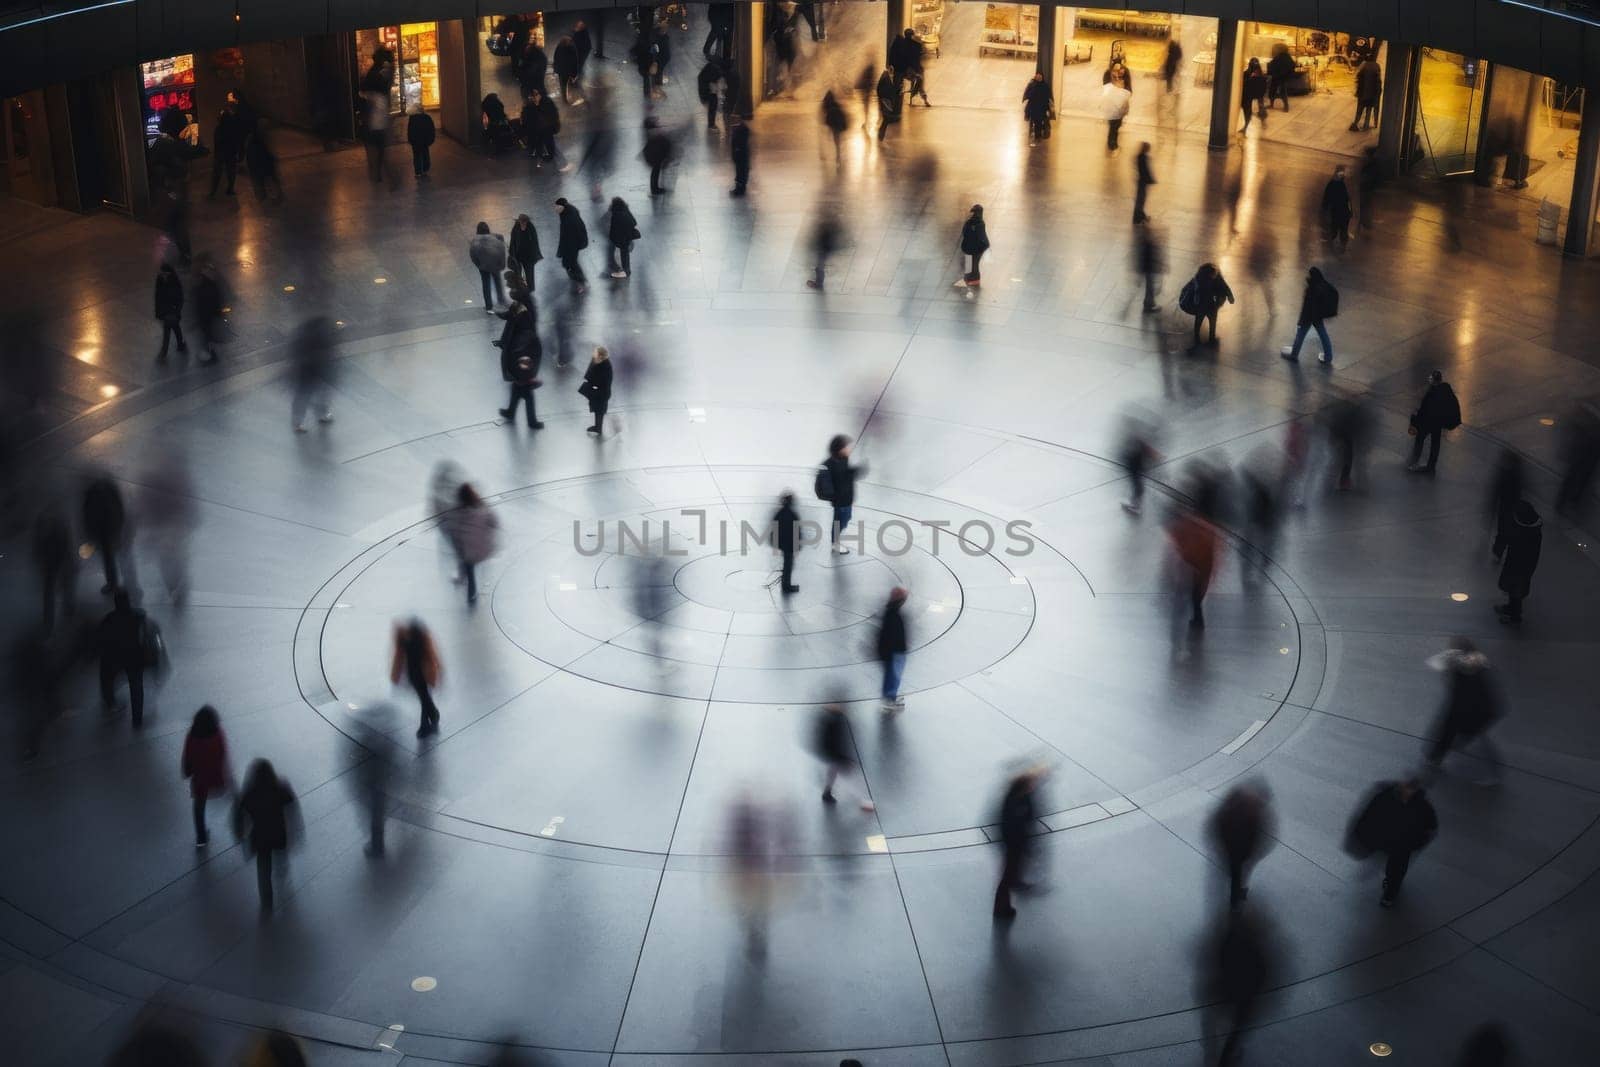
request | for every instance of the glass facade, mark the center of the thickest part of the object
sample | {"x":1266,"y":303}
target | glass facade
{"x":416,"y":51}
{"x":1449,"y":112}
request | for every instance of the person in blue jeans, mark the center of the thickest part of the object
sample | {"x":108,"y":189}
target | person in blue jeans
{"x":892,"y":646}
{"x":842,"y":479}
{"x":1320,"y":302}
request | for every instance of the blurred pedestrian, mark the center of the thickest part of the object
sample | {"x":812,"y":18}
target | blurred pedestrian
{"x":1580,"y":456}
{"x":834,"y":120}
{"x":596,"y":387}
{"x":658,"y":153}
{"x":1137,"y":454}
{"x":1524,"y":540}
{"x":276,"y":1049}
{"x":1438,"y":411}
{"x":1319,"y":303}
{"x":1018,"y":826}
{"x":1369,"y":90}
{"x":210,"y":299}
{"x":784,"y":526}
{"x":262,"y":164}
{"x":535,"y":65}
{"x":826,"y":237}
{"x":706,"y":84}
{"x":573,"y":238}
{"x":1348,"y":425}
{"x":311,"y":357}
{"x":1144,"y":178}
{"x":565,"y":63}
{"x":719,"y":38}
{"x":906,"y":58}
{"x":261,"y":822}
{"x":813,"y":13}
{"x":1116,"y":98}
{"x":892,"y":649}
{"x":124,"y":639}
{"x":1336,"y":207}
{"x":205,"y":763}
{"x":838,"y":753}
{"x":522,"y":249}
{"x":417,"y":661}
{"x":758,"y":837}
{"x":1505,"y":493}
{"x":169,"y":309}
{"x":1149,"y":263}
{"x":1281,"y":71}
{"x":157,"y":1044}
{"x":56,"y":562}
{"x":168,"y":514}
{"x":1038,"y":107}
{"x":1261,"y":478}
{"x":866,"y":87}
{"x":1194,"y":542}
{"x":583,"y":44}
{"x":1241,"y":964}
{"x":225,"y":149}
{"x":474,"y":531}
{"x":1253,"y":94}
{"x":420,"y":135}
{"x":836,"y":483}
{"x":1203,"y":297}
{"x":1398,"y":821}
{"x":488,"y":253}
{"x":1242,"y":827}
{"x":1472,"y":704}
{"x":1487,"y":1046}
{"x":374,"y":90}
{"x":974,"y":243}
{"x":888,"y":101}
{"x":1171,"y":63}
{"x":105,"y":525}
{"x":520,"y":356}
{"x":622,"y":229}
{"x":739,"y":151}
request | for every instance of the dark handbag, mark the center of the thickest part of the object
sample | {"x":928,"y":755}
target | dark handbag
{"x":587,"y":389}
{"x":633,"y":235}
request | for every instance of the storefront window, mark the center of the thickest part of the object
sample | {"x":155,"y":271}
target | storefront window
{"x":166,"y":83}
{"x":1010,"y":30}
{"x":1449,"y":112}
{"x":415,"y":46}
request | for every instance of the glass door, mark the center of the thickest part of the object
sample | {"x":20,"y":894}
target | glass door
{"x":1449,"y":112}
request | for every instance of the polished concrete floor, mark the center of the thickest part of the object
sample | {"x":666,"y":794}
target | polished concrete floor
{"x":559,"y":858}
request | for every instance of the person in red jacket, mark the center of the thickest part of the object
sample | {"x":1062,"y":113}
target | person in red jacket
{"x":205,"y":764}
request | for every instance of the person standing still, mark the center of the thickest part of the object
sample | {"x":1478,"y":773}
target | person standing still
{"x":1369,"y":91}
{"x":974,"y":243}
{"x":1143,"y":180}
{"x":1116,"y":98}
{"x":784,"y":525}
{"x":1253,"y":94}
{"x":838,"y":478}
{"x":225,"y":149}
{"x":488,"y":253}
{"x":1524,"y":542}
{"x":121,"y":640}
{"x":596,"y":387}
{"x":1037,"y":105}
{"x":522,"y":250}
{"x":739,"y":150}
{"x":1438,"y":411}
{"x":261,"y":822}
{"x":420,"y":136}
{"x":520,"y":356}
{"x":1336,"y":206}
{"x":416,"y":660}
{"x":1320,"y":302}
{"x":1018,"y":825}
{"x":1203,"y":297}
{"x":169,"y":309}
{"x":892,"y":649}
{"x":706,"y":83}
{"x":205,"y":763}
{"x":572,"y":239}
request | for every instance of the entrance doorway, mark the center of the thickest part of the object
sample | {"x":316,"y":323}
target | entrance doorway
{"x":1448,"y":113}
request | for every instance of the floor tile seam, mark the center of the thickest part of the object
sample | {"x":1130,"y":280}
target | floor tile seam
{"x":1530,"y":976}
{"x":1060,"y":752}
{"x":1548,"y":862}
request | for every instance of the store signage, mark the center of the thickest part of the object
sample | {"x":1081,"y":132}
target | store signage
{"x":167,"y":83}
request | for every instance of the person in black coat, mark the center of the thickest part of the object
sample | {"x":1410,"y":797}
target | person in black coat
{"x":583,"y":45}
{"x":420,"y":135}
{"x":825,"y":240}
{"x":520,"y":355}
{"x":1240,"y":963}
{"x":169,"y":308}
{"x":1280,"y":72}
{"x":706,"y":84}
{"x":841,"y":485}
{"x":1505,"y":493}
{"x":545,"y":122}
{"x":565,"y":63}
{"x":1472,"y":704}
{"x":1018,"y":825}
{"x":55,"y":558}
{"x":1336,"y":207}
{"x":892,"y":649}
{"x":261,"y":816}
{"x":121,"y":641}
{"x":1437,"y":412}
{"x":974,"y":243}
{"x":1316,"y":304}
{"x":104,"y":523}
{"x":1524,"y":540}
{"x":226,"y":145}
{"x":1398,"y":821}
{"x":835,"y":121}
{"x":784,"y":525}
{"x":1144,"y":178}
{"x":597,"y":386}
{"x":1253,"y":93}
{"x":622,"y":230}
{"x":572,"y":239}
{"x":1037,"y":103}
{"x":534,"y":66}
{"x":1149,"y":263}
{"x":905,"y":58}
{"x":888,"y":102}
{"x":837,"y":752}
{"x":523,"y":249}
{"x":1210,"y":291}
{"x":719,"y":39}
{"x":739,"y":150}
{"x":1241,"y":828}
{"x":1369,"y":90}
{"x":657,"y":153}
{"x":209,"y":300}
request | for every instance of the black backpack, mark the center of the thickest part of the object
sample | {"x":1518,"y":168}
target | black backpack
{"x":1189,"y":298}
{"x":1452,"y":411}
{"x":823,"y":486}
{"x":1330,"y":301}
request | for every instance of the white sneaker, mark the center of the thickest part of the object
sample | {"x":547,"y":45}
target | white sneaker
{"x":1324,"y":358}
{"x":867,"y":805}
{"x":840,"y":550}
{"x":959,"y":283}
{"x":619,"y":274}
{"x":1287,"y":352}
{"x":1130,"y":507}
{"x":326,"y":416}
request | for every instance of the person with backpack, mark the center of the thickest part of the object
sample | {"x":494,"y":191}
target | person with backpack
{"x":125,"y":640}
{"x":974,"y":243}
{"x":1203,"y":297}
{"x":488,"y":253}
{"x":892,"y":648}
{"x":1320,"y":302}
{"x":1439,"y":411}
{"x":1399,"y":821}
{"x":205,"y":764}
{"x":836,"y":483}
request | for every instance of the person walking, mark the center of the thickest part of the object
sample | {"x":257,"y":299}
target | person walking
{"x":583,"y":46}
{"x":836,"y":483}
{"x":1116,"y":98}
{"x":622,"y":230}
{"x":888,"y":102}
{"x":311,"y":355}
{"x":1438,"y":411}
{"x":1203,"y":297}
{"x":739,"y":151}
{"x":837,"y":752}
{"x":657,"y":153}
{"x":545,"y":122}
{"x":123,"y":639}
{"x":1336,"y":207}
{"x":784,"y":525}
{"x":1242,"y":964}
{"x":225,"y":150}
{"x":374,"y":91}
{"x":974,"y":243}
{"x":262,"y":166}
{"x":1241,"y":827}
{"x":488,"y":253}
{"x":209,"y":300}
{"x":572,"y":239}
{"x":1319,"y":303}
{"x":1194,"y":543}
{"x":1171,"y":63}
{"x":104,"y":524}
{"x":1038,"y":107}
{"x":1149,"y":263}
{"x":834,"y":120}
{"x":706,"y":84}
{"x":906,"y":58}
{"x":1524,"y":541}
{"x":522,"y":250}
{"x":1144,"y":178}
{"x":520,"y":356}
{"x":1472,"y":704}
{"x":1018,"y":826}
{"x":596,"y":387}
{"x":1369,"y":91}
{"x":261,"y":822}
{"x":417,"y":661}
{"x":825,"y":240}
{"x":1253,"y":94}
{"x":474,"y":531}
{"x":1281,"y":70}
{"x":420,"y":135}
{"x":565,"y":63}
{"x":1505,"y":493}
{"x":205,"y":763}
{"x":55,"y":558}
{"x":719,"y":39}
{"x":1398,"y":820}
{"x":892,"y":649}
{"x":169,"y":309}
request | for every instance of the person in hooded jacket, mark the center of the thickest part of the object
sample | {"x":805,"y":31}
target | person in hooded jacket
{"x":1037,"y":104}
{"x":1210,"y":291}
{"x":1316,"y":304}
{"x":473,"y":529}
{"x":121,"y":640}
{"x":1336,"y":206}
{"x":205,"y":764}
{"x":1524,"y":540}
{"x":1398,"y":821}
{"x":523,"y":249}
{"x":261,"y":817}
{"x":1437,"y":412}
{"x":573,"y":239}
{"x":597,"y":387}
{"x":892,"y":649}
{"x":420,"y":135}
{"x":841,"y":483}
{"x":622,"y":230}
{"x":1472,"y":704}
{"x":169,"y":308}
{"x":520,"y":356}
{"x":974,"y":243}
{"x":1505,"y":493}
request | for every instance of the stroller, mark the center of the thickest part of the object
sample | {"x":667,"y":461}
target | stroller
{"x":497,"y":130}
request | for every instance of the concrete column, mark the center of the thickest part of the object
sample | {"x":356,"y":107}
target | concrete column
{"x":899,"y":19}
{"x":1053,"y":30}
{"x":460,"y":81}
{"x":1225,"y":84}
{"x":126,"y":86}
{"x":1394,"y":112}
{"x":1580,"y":214}
{"x":750,"y":53}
